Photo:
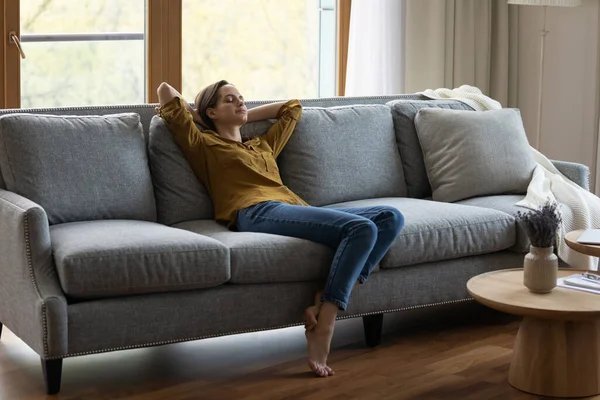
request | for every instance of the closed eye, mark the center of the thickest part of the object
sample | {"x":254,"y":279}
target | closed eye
{"x":229,"y":98}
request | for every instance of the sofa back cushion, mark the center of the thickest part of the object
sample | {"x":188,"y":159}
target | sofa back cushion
{"x":403,"y":114}
{"x":342,"y":154}
{"x":179,"y":194}
{"x":78,"y":167}
{"x":469,"y":154}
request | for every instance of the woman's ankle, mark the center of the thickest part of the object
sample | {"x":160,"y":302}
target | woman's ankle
{"x":327,"y":315}
{"x":317,"y":299}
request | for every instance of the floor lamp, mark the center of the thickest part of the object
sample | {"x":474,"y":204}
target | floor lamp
{"x":544,"y":32}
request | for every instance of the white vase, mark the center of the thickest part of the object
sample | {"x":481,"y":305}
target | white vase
{"x":540,"y":269}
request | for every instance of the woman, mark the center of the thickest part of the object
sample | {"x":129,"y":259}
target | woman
{"x":244,"y":183}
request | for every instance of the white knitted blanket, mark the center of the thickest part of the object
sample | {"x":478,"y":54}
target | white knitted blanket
{"x":579,"y":208}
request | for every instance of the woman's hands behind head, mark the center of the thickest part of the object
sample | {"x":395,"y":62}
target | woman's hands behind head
{"x":196,"y":116}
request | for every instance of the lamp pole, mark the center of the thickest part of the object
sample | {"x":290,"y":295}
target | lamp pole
{"x":538,"y":138}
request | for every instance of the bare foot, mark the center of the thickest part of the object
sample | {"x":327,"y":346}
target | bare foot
{"x":319,"y":342}
{"x":310,"y":317}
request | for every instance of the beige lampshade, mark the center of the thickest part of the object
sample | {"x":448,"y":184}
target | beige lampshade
{"x":551,"y":3}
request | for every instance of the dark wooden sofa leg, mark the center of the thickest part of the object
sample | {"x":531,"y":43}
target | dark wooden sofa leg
{"x":373,"y":325}
{"x":52,"y":370}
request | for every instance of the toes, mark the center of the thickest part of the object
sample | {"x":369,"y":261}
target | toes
{"x":322,"y":370}
{"x":318,"y":369}
{"x":330,"y":372}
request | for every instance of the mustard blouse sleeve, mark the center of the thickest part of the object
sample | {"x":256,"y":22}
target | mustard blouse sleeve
{"x":280,"y":132}
{"x":181,"y":123}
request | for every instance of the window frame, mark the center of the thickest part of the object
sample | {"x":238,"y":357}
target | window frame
{"x":163,"y":59}
{"x":343,"y":34}
{"x":10,"y":69}
{"x":327,"y":85}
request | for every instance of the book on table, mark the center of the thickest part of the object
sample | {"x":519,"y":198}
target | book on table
{"x":585,"y":282}
{"x":589,"y":236}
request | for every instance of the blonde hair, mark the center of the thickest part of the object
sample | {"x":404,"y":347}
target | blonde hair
{"x":207,"y":98}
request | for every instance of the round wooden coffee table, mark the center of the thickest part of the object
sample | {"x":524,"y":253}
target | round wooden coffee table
{"x":557,"y":350}
{"x":589,"y":249}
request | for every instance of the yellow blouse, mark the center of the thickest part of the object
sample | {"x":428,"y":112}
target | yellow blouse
{"x":236,"y":175}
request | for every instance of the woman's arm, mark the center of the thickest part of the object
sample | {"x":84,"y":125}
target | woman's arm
{"x":167,"y":93}
{"x":266,"y":111}
{"x":280,"y":132}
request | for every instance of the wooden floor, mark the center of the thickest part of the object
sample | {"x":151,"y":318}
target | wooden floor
{"x":461,"y":352}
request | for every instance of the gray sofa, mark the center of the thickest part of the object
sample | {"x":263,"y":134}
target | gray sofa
{"x":107,"y":241}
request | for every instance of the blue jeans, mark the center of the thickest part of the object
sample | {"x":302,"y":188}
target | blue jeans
{"x":360,"y":237}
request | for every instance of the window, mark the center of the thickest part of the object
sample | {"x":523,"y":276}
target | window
{"x":270,"y":49}
{"x":82,"y":52}
{"x":88,"y":52}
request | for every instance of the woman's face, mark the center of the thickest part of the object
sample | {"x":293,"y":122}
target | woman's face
{"x":230,"y":109}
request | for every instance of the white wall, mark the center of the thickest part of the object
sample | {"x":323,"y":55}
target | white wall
{"x":571,"y":81}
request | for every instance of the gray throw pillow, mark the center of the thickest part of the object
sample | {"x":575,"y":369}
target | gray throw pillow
{"x":470,"y":154}
{"x":342,"y":154}
{"x":78,"y":168}
{"x":403,"y":113}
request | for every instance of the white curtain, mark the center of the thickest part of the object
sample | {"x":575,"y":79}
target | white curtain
{"x":375,"y":48}
{"x":596,"y":186}
{"x":407,"y":46}
{"x":450,"y":43}
{"x":596,"y":183}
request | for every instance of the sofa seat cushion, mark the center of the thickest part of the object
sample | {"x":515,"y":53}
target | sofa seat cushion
{"x":97,"y":259}
{"x":435,"y":231}
{"x":507,"y":204}
{"x":265,"y":258}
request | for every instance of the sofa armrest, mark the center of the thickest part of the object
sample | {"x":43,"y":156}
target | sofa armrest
{"x":578,"y":173}
{"x":32,"y":303}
